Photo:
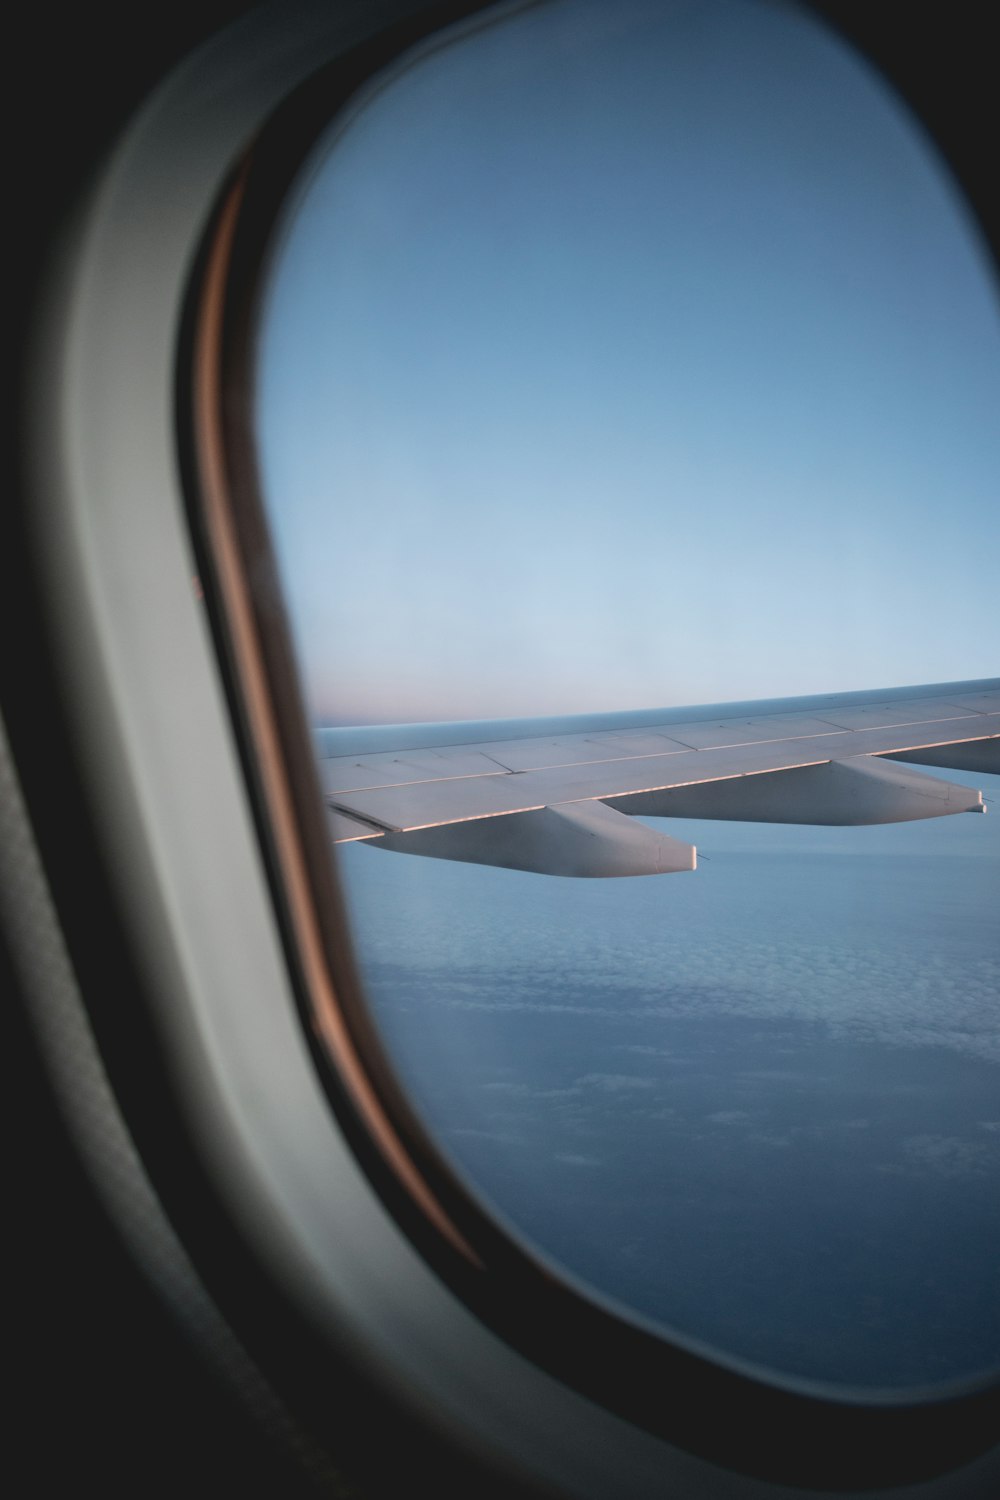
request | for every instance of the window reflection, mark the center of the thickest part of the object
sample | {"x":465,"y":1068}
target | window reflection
{"x":631,"y":356}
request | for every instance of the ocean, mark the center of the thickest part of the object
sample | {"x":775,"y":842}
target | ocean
{"x":757,"y":1105}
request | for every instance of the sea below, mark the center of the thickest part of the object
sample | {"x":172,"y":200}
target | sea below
{"x":757,"y":1105}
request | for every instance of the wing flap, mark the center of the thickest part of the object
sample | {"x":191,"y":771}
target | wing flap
{"x":839,"y":792}
{"x":978,"y":756}
{"x":580,"y":839}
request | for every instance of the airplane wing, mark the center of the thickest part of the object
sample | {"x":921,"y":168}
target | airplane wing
{"x":558,"y":796}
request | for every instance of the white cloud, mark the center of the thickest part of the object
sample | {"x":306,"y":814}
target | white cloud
{"x":947,"y":1155}
{"x":614,"y":1083}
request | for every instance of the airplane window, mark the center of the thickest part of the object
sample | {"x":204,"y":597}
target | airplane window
{"x":618,"y":358}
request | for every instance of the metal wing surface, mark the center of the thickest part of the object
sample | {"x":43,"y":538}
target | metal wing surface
{"x":557,"y":796}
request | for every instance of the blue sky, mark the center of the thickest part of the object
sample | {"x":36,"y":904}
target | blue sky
{"x":630,"y":356}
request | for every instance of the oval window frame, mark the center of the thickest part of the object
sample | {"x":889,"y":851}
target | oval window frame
{"x":865,"y":1439}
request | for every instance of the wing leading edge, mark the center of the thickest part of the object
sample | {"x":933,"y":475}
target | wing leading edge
{"x":562,"y":803}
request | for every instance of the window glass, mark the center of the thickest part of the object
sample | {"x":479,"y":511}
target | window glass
{"x":626,"y":356}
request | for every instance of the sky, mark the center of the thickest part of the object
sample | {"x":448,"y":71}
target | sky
{"x":621,"y":357}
